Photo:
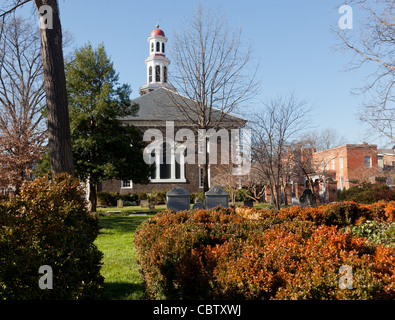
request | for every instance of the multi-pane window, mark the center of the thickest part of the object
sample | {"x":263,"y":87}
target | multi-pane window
{"x":168,"y":165}
{"x":126,"y":184}
{"x":341,"y":162}
{"x":367,"y":161}
{"x":201,"y":182}
{"x":333,"y":164}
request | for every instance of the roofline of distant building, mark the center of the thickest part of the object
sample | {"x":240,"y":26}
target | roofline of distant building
{"x":362,"y":145}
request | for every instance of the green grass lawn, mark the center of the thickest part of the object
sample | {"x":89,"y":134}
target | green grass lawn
{"x":120,"y":270}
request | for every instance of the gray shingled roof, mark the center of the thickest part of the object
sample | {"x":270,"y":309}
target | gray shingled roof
{"x":161,"y":104}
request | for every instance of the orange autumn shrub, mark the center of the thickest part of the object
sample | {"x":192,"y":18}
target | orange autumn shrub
{"x":244,"y":253}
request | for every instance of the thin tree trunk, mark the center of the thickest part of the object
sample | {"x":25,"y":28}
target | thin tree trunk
{"x":205,"y":177}
{"x":92,"y":197}
{"x":60,"y":151}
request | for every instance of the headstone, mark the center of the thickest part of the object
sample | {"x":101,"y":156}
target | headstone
{"x":151,"y":205}
{"x":199,"y":200}
{"x":119,"y":203}
{"x":144,"y":203}
{"x":307,"y":199}
{"x":178,"y":199}
{"x":216,"y":196}
{"x":198,"y":205}
{"x":295,"y":201}
{"x":249,"y":203}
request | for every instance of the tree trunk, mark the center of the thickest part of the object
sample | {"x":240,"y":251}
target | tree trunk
{"x":92,"y":197}
{"x":61,"y":159}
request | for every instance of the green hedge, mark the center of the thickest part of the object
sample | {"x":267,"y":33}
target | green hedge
{"x":110,"y":198}
{"x":48,"y":224}
{"x":367,"y":193}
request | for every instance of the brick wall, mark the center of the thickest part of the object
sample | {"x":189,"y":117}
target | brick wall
{"x":191,"y":174}
{"x":346,"y":164}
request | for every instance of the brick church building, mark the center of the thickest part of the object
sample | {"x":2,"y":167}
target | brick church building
{"x":158,"y":107}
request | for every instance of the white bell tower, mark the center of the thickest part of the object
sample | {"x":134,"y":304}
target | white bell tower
{"x":157,"y":63}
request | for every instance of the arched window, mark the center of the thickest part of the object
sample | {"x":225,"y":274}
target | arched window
{"x":153,"y":166}
{"x":163,"y":47}
{"x":150,"y":74}
{"x":168,"y":166}
{"x":152,"y":47}
{"x":165,"y":74}
{"x":158,"y":46}
{"x":157,"y":74}
{"x":165,"y":166}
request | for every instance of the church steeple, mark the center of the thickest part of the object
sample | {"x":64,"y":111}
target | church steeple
{"x":157,"y":63}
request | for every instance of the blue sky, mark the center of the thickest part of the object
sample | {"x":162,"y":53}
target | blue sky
{"x":291,"y":38}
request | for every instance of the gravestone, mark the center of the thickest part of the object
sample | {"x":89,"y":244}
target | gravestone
{"x":198,"y":205}
{"x":119,"y":203}
{"x":249,"y":203}
{"x":144,"y":203}
{"x":307,"y":199}
{"x":178,"y":199}
{"x":295,"y":201}
{"x":216,"y":196}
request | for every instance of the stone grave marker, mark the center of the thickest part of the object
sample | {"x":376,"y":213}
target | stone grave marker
{"x":216,"y":196}
{"x":144,"y":203}
{"x":178,"y":199}
{"x":307,"y":199}
{"x":249,"y":203}
{"x":198,"y":205}
{"x":119,"y":203}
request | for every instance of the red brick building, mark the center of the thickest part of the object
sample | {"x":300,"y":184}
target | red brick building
{"x":349,"y":164}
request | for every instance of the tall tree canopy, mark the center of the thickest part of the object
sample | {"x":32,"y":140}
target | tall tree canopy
{"x":54,"y":80}
{"x":22,"y":95}
{"x":103,"y":148}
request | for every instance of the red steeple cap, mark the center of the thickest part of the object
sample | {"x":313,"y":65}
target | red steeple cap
{"x":157,"y":32}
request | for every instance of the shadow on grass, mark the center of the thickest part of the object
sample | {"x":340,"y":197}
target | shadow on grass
{"x":123,"y":291}
{"x":121,"y":223}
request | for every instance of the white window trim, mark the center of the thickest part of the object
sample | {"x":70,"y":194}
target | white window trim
{"x":370,"y":162}
{"x":168,"y":180}
{"x":173,"y":178}
{"x":130,"y":187}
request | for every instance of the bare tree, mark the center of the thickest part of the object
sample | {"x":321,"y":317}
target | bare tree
{"x":212,"y":70}
{"x":273,"y":130}
{"x":323,"y":139}
{"x":255,"y":183}
{"x":373,"y":45}
{"x":59,"y":140}
{"x":223,"y":176}
{"x":22,"y":129}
